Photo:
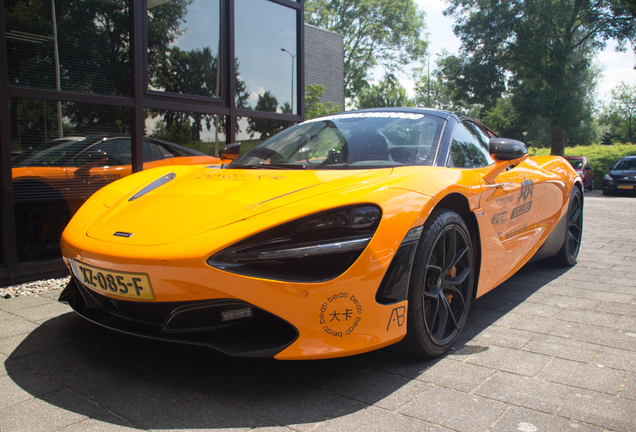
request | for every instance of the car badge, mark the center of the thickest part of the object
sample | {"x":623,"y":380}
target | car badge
{"x":123,"y":234}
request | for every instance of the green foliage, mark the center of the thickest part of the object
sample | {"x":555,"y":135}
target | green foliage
{"x":388,"y":93}
{"x":620,"y":117}
{"x":267,"y":127}
{"x":601,"y":157}
{"x":313,"y":107}
{"x":376,"y":32}
{"x":539,"y":52}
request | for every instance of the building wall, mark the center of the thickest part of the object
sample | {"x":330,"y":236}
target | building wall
{"x":324,"y":63}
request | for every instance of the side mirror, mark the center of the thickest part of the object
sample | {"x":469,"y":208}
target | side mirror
{"x":504,"y":149}
{"x":230,"y":152}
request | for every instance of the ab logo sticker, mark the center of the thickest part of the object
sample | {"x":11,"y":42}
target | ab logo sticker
{"x":398,"y":316}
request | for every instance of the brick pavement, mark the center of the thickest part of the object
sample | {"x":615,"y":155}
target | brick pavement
{"x":549,"y":350}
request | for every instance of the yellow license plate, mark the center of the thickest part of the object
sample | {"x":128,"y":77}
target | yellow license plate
{"x":120,"y":284}
{"x":625,"y":186}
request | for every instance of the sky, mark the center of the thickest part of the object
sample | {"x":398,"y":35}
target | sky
{"x":615,"y":66}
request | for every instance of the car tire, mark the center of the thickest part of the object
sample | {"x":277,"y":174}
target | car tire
{"x":441,"y":286}
{"x":572,"y":242}
{"x":607,"y":193}
{"x":592,"y":186}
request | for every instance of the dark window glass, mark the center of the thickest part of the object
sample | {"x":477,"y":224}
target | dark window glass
{"x":266,"y":55}
{"x":84,"y":46}
{"x":183,"y":46}
{"x":467,"y":150}
{"x":53,"y":175}
{"x":204,"y":133}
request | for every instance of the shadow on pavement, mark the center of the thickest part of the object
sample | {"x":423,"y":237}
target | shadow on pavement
{"x":123,"y":380}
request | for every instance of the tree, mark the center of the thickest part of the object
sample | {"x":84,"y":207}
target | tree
{"x":267,"y":127}
{"x":622,"y":110}
{"x":313,"y":107}
{"x":388,"y":93}
{"x":376,"y":32}
{"x":539,"y":51}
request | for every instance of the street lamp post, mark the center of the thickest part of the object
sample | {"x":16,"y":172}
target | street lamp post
{"x":293,"y":56}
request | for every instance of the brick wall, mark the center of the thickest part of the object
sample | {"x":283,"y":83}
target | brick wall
{"x":324,"y":63}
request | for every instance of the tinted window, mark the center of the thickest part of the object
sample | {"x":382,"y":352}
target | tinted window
{"x":468,"y":149}
{"x":266,"y":56}
{"x":92,"y":41}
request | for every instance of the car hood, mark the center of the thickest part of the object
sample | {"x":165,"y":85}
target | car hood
{"x":621,"y":174}
{"x":204,"y":199}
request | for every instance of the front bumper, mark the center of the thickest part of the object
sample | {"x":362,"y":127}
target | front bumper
{"x":200,"y":322}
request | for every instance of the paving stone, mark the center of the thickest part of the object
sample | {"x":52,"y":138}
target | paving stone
{"x":91,"y":425}
{"x":562,"y":290}
{"x":455,"y":410}
{"x":22,"y":385}
{"x":571,"y":302}
{"x":510,"y":360}
{"x":524,"y":391}
{"x":607,"y":296}
{"x":588,"y":317}
{"x":205,"y":413}
{"x":626,"y":323}
{"x":555,"y":346}
{"x":403,"y":395}
{"x":368,"y":385}
{"x":43,"y":312}
{"x":546,"y":326}
{"x":374,"y":419}
{"x":23,"y":344}
{"x":506,"y":337}
{"x":616,"y":359}
{"x":15,"y":326}
{"x":606,"y":337}
{"x":58,"y":359}
{"x":617,"y":308}
{"x":57,"y":410}
{"x":525,"y":420}
{"x":99,"y":377}
{"x":542,"y":310}
{"x":585,"y":376}
{"x":600,"y":409}
{"x":625,"y":289}
{"x":457,"y":375}
{"x":597,"y":285}
{"x":17,"y":303}
{"x":629,"y":391}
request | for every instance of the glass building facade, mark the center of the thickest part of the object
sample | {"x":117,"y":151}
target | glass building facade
{"x":93,"y":90}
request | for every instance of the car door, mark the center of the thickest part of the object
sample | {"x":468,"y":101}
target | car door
{"x":508,"y":206}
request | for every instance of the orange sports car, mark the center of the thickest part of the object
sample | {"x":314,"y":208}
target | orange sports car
{"x":339,"y":235}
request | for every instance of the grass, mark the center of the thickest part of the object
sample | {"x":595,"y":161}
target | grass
{"x":601,"y":157}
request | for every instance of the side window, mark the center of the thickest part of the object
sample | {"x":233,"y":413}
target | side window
{"x":149,"y":152}
{"x":467,"y":150}
{"x":102,"y":154}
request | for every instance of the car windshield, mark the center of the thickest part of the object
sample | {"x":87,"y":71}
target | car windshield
{"x":350,"y":141}
{"x":576,"y":163}
{"x":626,"y":164}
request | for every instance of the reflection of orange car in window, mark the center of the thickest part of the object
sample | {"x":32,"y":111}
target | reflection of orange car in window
{"x":49,"y":185}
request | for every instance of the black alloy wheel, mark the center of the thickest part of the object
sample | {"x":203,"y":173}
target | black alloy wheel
{"x":441,"y":287}
{"x":572,"y":243}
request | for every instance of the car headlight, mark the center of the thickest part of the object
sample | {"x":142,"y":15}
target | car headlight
{"x":314,"y":248}
{"x":608,"y":178}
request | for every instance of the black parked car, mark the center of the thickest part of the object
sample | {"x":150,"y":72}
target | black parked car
{"x":621,"y":177}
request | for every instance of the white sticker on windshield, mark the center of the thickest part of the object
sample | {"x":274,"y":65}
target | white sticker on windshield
{"x":397,"y":115}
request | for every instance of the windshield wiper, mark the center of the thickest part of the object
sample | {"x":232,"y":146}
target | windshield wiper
{"x":263,"y":165}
